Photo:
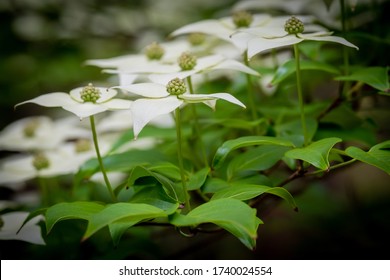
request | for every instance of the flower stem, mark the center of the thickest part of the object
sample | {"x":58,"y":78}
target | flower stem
{"x":251,"y":100}
{"x":196,"y":127}
{"x":102,"y":169}
{"x":180,"y":158}
{"x":44,"y":191}
{"x":300,"y":94}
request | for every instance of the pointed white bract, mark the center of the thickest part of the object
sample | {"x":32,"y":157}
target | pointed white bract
{"x":73,"y":102}
{"x":159,"y":102}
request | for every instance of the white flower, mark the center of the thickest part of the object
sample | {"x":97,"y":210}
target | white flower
{"x":38,"y":133}
{"x":204,"y":64}
{"x":159,"y":102}
{"x":80,"y":102}
{"x":275,"y":36}
{"x":62,"y":161}
{"x":30,"y":232}
{"x":221,"y":28}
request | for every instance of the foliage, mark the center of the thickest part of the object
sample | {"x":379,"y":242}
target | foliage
{"x":194,"y":169}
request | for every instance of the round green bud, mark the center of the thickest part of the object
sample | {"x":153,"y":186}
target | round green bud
{"x":293,"y":26}
{"x":154,"y":51}
{"x":83,"y":145}
{"x":176,"y":87}
{"x":30,"y":128}
{"x":40,"y":161}
{"x":242,"y":19}
{"x":187,"y":61}
{"x":196,"y":38}
{"x":90,"y":93}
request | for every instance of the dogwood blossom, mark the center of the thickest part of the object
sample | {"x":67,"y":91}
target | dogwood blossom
{"x":284,"y":33}
{"x":83,"y":101}
{"x":39,"y":133}
{"x":161,"y":99}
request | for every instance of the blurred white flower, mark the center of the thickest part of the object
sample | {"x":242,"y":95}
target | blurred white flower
{"x":38,"y":133}
{"x":30,"y":232}
{"x":82,"y":101}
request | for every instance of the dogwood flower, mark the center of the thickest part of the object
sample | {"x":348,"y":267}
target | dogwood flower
{"x":189,"y":65}
{"x":162,"y":100}
{"x":62,"y":161}
{"x":38,"y":133}
{"x":83,"y":101}
{"x":281,"y":35}
{"x":30,"y":232}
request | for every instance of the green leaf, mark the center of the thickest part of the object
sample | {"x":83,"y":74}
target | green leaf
{"x":288,"y":68}
{"x":71,"y":210}
{"x":246,"y":141}
{"x":378,"y":155}
{"x":231,"y":214}
{"x":376,"y":77}
{"x":120,"y":162}
{"x":249,"y":191}
{"x":258,"y":159}
{"x":122,"y":213}
{"x":168,"y":185}
{"x":197,"y":180}
{"x":155,"y":196}
{"x":316,"y":153}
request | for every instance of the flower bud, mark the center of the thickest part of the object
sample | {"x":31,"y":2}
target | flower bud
{"x":82,"y":145}
{"x":187,"y":61}
{"x":90,"y":93}
{"x":293,"y":26}
{"x":40,"y":161}
{"x":176,"y":87}
{"x":154,"y":51}
{"x":196,"y":39}
{"x":30,"y":128}
{"x":242,"y":19}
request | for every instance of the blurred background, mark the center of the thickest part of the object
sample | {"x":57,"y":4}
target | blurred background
{"x":44,"y":44}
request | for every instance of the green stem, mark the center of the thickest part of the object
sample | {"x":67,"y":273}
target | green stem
{"x":196,"y":128}
{"x":44,"y":191}
{"x":346,"y":84}
{"x":102,"y":169}
{"x":180,"y":158}
{"x":331,"y":168}
{"x":300,"y":94}
{"x":251,"y":99}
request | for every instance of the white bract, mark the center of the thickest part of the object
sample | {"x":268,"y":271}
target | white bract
{"x":203,"y":65}
{"x":38,"y":133}
{"x":30,"y":232}
{"x":221,"y":28}
{"x":275,"y":36}
{"x":74,"y":103}
{"x":159,"y":102}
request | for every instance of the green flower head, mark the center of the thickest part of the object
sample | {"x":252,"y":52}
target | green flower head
{"x":40,"y":161}
{"x":154,"y":51}
{"x":30,"y":128}
{"x":242,"y":19}
{"x":196,"y":38}
{"x":293,"y":26}
{"x":90,"y":94}
{"x":187,"y":61}
{"x":176,"y":87}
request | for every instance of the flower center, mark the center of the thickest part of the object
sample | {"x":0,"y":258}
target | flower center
{"x":293,"y":26}
{"x":187,"y":61}
{"x":90,"y":94}
{"x":154,"y":51}
{"x":176,"y":87}
{"x":40,"y":161}
{"x":196,"y":39}
{"x":82,"y":145}
{"x":30,"y":128}
{"x":242,"y":19}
